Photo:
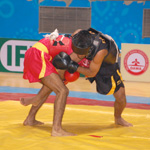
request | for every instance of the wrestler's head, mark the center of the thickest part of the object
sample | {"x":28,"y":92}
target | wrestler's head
{"x":81,"y":42}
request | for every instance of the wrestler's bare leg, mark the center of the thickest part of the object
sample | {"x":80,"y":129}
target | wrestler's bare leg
{"x":36,"y":99}
{"x":55,"y":83}
{"x":44,"y":92}
{"x":119,"y":105}
{"x":30,"y":119}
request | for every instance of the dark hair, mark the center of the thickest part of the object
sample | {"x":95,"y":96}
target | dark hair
{"x":81,"y":42}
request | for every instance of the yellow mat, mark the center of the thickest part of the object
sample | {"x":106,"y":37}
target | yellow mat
{"x":93,"y":125}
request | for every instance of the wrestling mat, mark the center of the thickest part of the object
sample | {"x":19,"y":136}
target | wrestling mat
{"x":94,"y":126}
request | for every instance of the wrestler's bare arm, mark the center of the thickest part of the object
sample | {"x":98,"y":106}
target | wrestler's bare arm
{"x":75,"y":57}
{"x":94,"y":65}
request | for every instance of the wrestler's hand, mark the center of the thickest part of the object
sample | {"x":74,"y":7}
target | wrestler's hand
{"x":72,"y":66}
{"x":71,"y":77}
{"x":84,"y":63}
{"x":63,"y":61}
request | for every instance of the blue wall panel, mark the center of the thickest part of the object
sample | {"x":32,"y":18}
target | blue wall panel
{"x":19,"y":18}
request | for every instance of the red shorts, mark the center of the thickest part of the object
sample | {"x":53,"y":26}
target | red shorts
{"x":37,"y":65}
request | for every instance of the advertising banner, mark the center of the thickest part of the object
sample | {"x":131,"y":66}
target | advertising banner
{"x":12,"y":53}
{"x":135,"y":62}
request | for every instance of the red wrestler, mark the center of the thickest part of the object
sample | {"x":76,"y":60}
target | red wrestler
{"x":38,"y":67}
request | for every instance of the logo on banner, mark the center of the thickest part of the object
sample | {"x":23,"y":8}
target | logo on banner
{"x":136,"y":62}
{"x":12,"y":52}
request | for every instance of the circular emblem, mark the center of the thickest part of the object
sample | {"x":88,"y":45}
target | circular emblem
{"x":136,"y":62}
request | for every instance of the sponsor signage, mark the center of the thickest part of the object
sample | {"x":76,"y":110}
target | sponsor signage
{"x":135,"y":59}
{"x":12,"y":53}
{"x":136,"y":62}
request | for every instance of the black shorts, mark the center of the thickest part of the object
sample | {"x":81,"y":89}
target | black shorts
{"x":108,"y":79}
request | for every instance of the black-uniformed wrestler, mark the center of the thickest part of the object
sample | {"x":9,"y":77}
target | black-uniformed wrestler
{"x":102,"y":52}
{"x":108,"y":78}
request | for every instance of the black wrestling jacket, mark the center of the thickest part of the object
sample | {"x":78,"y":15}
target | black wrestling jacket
{"x":102,"y":41}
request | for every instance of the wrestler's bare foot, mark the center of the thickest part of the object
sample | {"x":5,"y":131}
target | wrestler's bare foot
{"x":30,"y":122}
{"x":61,"y":132}
{"x":122,"y":122}
{"x":28,"y":101}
